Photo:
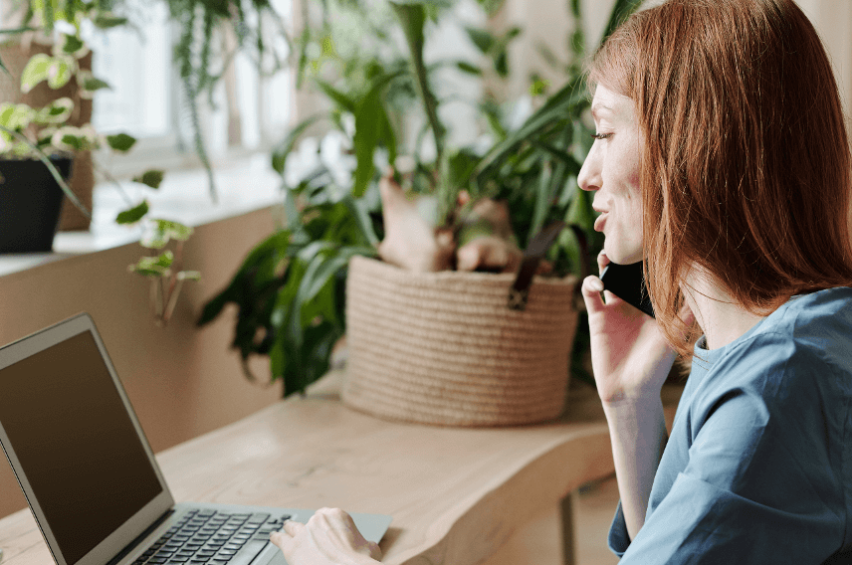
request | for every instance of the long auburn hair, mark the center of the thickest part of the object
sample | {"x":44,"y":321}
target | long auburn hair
{"x":745,"y":162}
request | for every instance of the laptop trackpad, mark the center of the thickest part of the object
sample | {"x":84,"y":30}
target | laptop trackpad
{"x":277,"y":558}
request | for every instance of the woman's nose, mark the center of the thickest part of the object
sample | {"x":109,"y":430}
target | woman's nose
{"x":590,"y":177}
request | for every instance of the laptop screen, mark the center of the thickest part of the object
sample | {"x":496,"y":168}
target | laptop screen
{"x":75,"y":442}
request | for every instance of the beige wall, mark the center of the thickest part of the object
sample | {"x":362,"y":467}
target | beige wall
{"x":182,"y":381}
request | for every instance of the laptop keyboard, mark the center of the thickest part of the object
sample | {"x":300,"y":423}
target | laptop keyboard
{"x":212,"y":538}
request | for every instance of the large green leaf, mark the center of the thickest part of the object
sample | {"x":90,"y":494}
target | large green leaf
{"x":283,"y":149}
{"x":342,"y":100}
{"x":152,"y":178}
{"x":121,"y":142}
{"x":368,"y":126}
{"x":133,"y":215}
{"x":543,"y":200}
{"x":412,"y":16}
{"x":362,"y":219}
{"x":36,"y":70}
{"x":257,"y":269}
{"x":481,"y":38}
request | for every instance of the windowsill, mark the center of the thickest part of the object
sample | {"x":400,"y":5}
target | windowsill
{"x":243,"y":185}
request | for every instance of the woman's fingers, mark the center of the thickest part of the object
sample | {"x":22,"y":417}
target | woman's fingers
{"x":592,"y":288}
{"x":603,"y":261}
{"x":291,"y":527}
{"x":375,"y":552}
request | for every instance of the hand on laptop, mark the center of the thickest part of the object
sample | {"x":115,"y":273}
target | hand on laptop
{"x":329,"y":538}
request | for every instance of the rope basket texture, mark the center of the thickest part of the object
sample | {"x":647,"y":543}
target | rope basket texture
{"x":444,"y":349}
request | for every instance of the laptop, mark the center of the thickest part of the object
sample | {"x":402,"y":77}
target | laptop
{"x":90,"y":477}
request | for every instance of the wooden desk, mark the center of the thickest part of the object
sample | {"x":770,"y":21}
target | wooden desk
{"x":456,"y":495}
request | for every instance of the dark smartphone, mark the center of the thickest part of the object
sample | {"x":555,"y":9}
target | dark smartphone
{"x":628,"y":283}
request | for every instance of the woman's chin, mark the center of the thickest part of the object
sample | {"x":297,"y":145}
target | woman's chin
{"x":621,"y":255}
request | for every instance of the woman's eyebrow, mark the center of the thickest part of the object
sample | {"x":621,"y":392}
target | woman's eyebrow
{"x":596,"y":108}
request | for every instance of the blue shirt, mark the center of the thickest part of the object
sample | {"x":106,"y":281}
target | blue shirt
{"x":758,"y":468}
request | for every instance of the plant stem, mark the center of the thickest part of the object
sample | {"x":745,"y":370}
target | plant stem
{"x":111,"y":179}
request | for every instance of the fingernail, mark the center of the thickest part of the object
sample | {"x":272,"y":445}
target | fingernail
{"x":595,"y":284}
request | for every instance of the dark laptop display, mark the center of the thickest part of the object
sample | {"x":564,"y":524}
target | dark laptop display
{"x":76,"y":443}
{"x":90,"y":477}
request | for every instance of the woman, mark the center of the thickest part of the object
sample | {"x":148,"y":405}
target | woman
{"x":720,"y":159}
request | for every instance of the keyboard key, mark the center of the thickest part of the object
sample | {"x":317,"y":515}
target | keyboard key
{"x":259,"y":518}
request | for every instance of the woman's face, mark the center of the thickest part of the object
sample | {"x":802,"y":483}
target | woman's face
{"x":611,"y":170}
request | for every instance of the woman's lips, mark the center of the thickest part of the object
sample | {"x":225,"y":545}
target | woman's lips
{"x":599,"y":223}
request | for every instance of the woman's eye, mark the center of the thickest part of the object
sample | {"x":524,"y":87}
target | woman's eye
{"x":601,"y":135}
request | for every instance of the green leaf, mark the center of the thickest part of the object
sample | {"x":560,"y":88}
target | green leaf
{"x":71,"y":44}
{"x":259,"y":267}
{"x":133,"y":215}
{"x":501,"y":63}
{"x":343,"y":101}
{"x":56,"y":112}
{"x":559,"y":154}
{"x":188,"y":276}
{"x":72,"y":138}
{"x":151,"y":178}
{"x":15,"y":116}
{"x":362,"y":219}
{"x":581,"y":213}
{"x":412,"y":17}
{"x":164,"y":231}
{"x":367,"y":130}
{"x":582,"y":141}
{"x":60,"y":72}
{"x":105,"y":20}
{"x":72,"y":141}
{"x":542,"y":201}
{"x":482,"y":38}
{"x":121,"y":142}
{"x":559,"y":107}
{"x":281,"y":151}
{"x":92,"y":84}
{"x":157,"y":266}
{"x":466,"y":67}
{"x":36,"y":71}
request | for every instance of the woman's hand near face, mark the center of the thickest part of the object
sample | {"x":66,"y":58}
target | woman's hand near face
{"x":329,"y":538}
{"x":630,"y":357}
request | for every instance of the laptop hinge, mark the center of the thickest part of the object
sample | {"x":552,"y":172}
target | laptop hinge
{"x":132,"y":545}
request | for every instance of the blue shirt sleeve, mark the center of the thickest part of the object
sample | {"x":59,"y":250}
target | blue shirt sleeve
{"x":762,"y":479}
{"x":618,"y":539}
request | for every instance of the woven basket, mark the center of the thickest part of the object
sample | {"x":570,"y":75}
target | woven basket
{"x":444,"y":349}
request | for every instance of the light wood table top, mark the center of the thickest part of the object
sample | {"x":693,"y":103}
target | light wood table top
{"x":455,"y":494}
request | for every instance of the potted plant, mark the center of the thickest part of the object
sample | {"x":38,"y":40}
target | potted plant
{"x":38,"y":144}
{"x":291,"y":289}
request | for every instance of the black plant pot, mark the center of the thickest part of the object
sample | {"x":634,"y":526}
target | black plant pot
{"x":30,"y":202}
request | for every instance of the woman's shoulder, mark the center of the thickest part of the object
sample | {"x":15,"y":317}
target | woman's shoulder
{"x":804,"y":346}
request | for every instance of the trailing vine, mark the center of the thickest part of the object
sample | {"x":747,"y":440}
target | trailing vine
{"x":201,"y":65}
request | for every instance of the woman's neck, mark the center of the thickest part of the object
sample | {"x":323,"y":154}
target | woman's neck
{"x":720,"y":317}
